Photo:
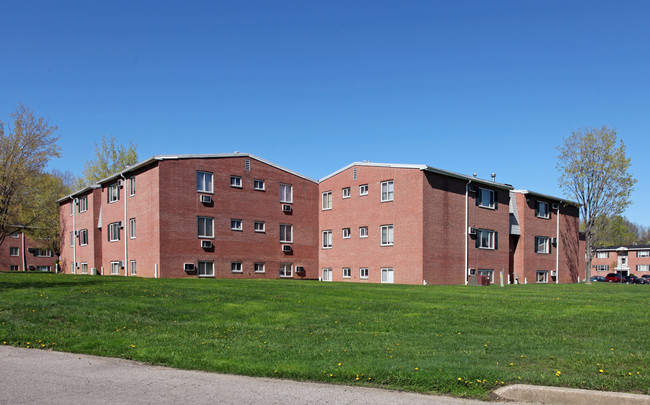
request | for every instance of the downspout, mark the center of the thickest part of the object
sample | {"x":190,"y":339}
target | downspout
{"x":23,"y":248}
{"x":126,"y":256}
{"x":557,"y":246}
{"x":74,"y":235}
{"x":466,"y":227}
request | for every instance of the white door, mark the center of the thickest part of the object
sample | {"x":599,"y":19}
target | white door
{"x":327,"y":274}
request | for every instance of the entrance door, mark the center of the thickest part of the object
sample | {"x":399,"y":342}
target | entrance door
{"x":327,"y":274}
{"x":622,"y":264}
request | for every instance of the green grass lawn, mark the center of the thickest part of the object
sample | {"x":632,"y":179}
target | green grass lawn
{"x":458,"y":340}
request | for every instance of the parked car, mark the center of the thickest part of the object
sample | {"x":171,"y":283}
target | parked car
{"x":633,"y":279}
{"x":598,"y":279}
{"x":646,"y":277}
{"x":614,"y":278}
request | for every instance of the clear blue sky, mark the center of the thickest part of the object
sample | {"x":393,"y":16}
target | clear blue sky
{"x":466,"y":86}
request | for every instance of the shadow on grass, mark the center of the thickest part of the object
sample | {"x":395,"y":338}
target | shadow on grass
{"x":38,"y":283}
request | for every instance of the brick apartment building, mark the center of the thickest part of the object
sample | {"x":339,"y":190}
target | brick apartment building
{"x":624,"y":260}
{"x":238,"y":216}
{"x":19,"y":252}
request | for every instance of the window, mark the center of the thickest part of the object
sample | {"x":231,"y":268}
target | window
{"x":134,"y":268}
{"x":542,"y":276}
{"x":286,"y":193}
{"x":347,"y":272}
{"x":286,"y":233}
{"x":643,"y":267}
{"x":203,"y":182}
{"x":132,"y":186}
{"x":363,"y":232}
{"x":13,"y":267}
{"x":327,"y":274}
{"x":83,"y":204}
{"x":485,"y":198}
{"x":541,"y":244}
{"x":387,"y":275}
{"x":235,"y":267}
{"x":602,"y":255}
{"x":643,"y":253}
{"x":327,"y":200}
{"x":258,"y":185}
{"x":42,"y":268}
{"x":115,"y":268}
{"x":327,"y":239}
{"x":235,"y":181}
{"x":386,"y":235}
{"x":363,"y":189}
{"x":205,"y":269}
{"x":17,"y":235}
{"x":363,"y":272}
{"x":486,"y":239}
{"x":13,"y":251}
{"x":113,"y":193}
{"x":132,"y":228}
{"x":486,"y":273}
{"x":43,"y":253}
{"x":71,"y":208}
{"x":83,"y":237}
{"x":286,"y":270}
{"x":206,"y":227}
{"x":260,"y":226}
{"x":72,"y":269}
{"x":387,"y":191}
{"x":346,"y":233}
{"x":603,"y":267}
{"x":259,"y":268}
{"x":541,"y":209}
{"x":114,"y":232}
{"x":236,"y":225}
{"x":71,"y":238}
{"x":346,"y":192}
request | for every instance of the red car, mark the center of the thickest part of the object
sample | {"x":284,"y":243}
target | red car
{"x":614,"y":278}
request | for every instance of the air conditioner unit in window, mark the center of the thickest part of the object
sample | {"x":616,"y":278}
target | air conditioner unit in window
{"x":554,"y":241}
{"x":189,"y":266}
{"x":473,"y":188}
{"x":300,"y":269}
{"x":206,"y":199}
{"x":553,"y":273}
{"x":121,"y":264}
{"x":120,"y":183}
{"x":286,"y":248}
{"x":286,"y":208}
{"x":206,"y":244}
{"x":120,"y":224}
{"x":555,"y":206}
{"x":471,"y":230}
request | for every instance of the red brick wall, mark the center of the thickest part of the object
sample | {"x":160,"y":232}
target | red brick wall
{"x":32,"y":262}
{"x":404,"y":213}
{"x":613,"y":261}
{"x":90,"y":253}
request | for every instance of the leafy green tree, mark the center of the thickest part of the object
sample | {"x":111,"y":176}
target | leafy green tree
{"x":25,"y":149}
{"x":594,"y":171}
{"x":110,"y":158}
{"x":618,"y":231}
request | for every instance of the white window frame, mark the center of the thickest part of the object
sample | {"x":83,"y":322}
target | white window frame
{"x":364,"y":273}
{"x":235,"y":181}
{"x":14,"y":251}
{"x":83,"y":204}
{"x":286,"y":193}
{"x":327,"y":200}
{"x":259,"y":185}
{"x":204,"y":182}
{"x":490,"y":239}
{"x":205,"y":231}
{"x":133,"y":267}
{"x":326,"y":274}
{"x":260,"y":267}
{"x":14,"y":267}
{"x":541,"y":276}
{"x":347,"y":234}
{"x":643,"y":267}
{"x":345,"y":192}
{"x":284,"y":230}
{"x":132,"y":228}
{"x":84,"y":268}
{"x":205,"y":268}
{"x":43,"y":268}
{"x":387,"y":235}
{"x":115,"y":268}
{"x":363,"y":189}
{"x":43,"y":253}
{"x":327,"y":239}
{"x":114,"y":232}
{"x":643,"y":253}
{"x":286,"y":270}
{"x":83,"y":237}
{"x":71,"y":238}
{"x":363,"y":231}
{"x":542,"y":244}
{"x":542,"y":213}
{"x":131,"y":186}
{"x":486,"y":197}
{"x":387,"y":275}
{"x":387,"y":191}
{"x":259,"y":227}
{"x":113,"y":193}
{"x":602,"y":255}
{"x":486,"y":272}
{"x":347,"y":272}
{"x":236,"y":267}
{"x":602,"y":267}
{"x":236,"y":224}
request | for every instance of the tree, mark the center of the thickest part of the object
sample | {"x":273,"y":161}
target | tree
{"x":618,"y":231}
{"x":109,"y":159}
{"x":594,"y":172}
{"x":25,"y":149}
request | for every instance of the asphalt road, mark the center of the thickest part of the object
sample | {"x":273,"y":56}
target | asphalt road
{"x":31,"y":376}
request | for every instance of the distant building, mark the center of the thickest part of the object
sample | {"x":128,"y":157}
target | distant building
{"x":624,"y":260}
{"x":239,"y":216}
{"x":19,"y":252}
